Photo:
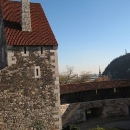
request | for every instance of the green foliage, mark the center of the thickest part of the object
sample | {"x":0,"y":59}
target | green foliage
{"x":100,"y":128}
{"x":71,"y":127}
{"x":37,"y":125}
{"x":111,"y":129}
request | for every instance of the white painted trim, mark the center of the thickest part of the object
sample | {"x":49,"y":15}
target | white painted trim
{"x":43,"y":51}
{"x":27,"y":52}
{"x":11,"y":59}
{"x":37,"y":72}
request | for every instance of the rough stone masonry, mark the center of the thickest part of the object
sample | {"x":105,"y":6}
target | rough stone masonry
{"x":29,"y":82}
{"x":24,"y":99}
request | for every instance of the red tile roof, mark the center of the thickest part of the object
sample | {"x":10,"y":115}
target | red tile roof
{"x":41,"y":33}
{"x":72,"y":88}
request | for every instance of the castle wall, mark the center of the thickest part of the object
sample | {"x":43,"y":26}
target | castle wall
{"x":76,"y":112}
{"x":29,"y":89}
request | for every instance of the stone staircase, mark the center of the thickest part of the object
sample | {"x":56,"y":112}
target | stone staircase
{"x":69,"y":113}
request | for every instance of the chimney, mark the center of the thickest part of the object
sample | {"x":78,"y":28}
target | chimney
{"x":26,"y":17}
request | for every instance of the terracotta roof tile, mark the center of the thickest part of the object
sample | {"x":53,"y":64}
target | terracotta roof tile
{"x":72,"y":88}
{"x":41,"y":33}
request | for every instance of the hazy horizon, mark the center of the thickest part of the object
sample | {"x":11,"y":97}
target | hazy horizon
{"x":89,"y":33}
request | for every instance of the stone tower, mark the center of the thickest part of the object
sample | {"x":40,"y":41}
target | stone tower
{"x":29,"y":77}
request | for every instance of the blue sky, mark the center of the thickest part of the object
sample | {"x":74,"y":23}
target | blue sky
{"x":90,"y":33}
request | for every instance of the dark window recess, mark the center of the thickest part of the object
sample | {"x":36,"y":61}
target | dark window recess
{"x":25,"y":50}
{"x":37,"y":72}
{"x":94,"y":113}
{"x":41,"y":50}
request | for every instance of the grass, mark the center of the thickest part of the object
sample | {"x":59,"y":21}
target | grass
{"x":100,"y":128}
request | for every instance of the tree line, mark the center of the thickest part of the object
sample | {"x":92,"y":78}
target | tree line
{"x":69,"y":76}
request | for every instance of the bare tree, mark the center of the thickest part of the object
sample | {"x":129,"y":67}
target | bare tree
{"x":67,"y":76}
{"x":83,"y":77}
{"x":70,"y":77}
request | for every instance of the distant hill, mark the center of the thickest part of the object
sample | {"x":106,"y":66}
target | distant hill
{"x":119,"y":68}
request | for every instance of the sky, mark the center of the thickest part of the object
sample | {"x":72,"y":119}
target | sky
{"x":90,"y":33}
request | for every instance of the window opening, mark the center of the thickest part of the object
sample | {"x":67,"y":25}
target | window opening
{"x":114,"y":90}
{"x":37,"y":72}
{"x":96,"y":91}
{"x":41,"y":50}
{"x":94,"y":113}
{"x":25,"y":50}
{"x":89,"y":111}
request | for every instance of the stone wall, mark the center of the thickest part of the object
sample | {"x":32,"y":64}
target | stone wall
{"x":26,"y":101}
{"x":110,"y":108}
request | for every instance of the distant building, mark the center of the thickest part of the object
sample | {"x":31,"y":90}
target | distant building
{"x":100,"y":74}
{"x":93,"y":77}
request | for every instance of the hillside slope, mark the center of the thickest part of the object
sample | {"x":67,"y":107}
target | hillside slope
{"x":119,"y":68}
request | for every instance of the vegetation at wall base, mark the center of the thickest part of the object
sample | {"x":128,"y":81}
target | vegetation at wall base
{"x":71,"y":127}
{"x":37,"y":125}
{"x":100,"y":128}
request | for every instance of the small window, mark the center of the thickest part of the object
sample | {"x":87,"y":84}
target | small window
{"x":25,"y":50}
{"x":114,"y":90}
{"x":96,"y":91}
{"x":41,"y":50}
{"x":37,"y":72}
{"x":89,"y":111}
